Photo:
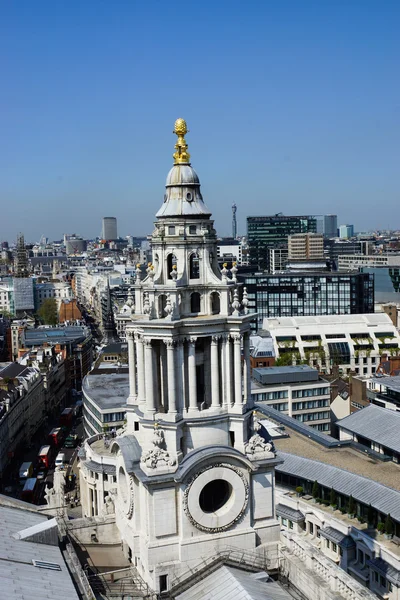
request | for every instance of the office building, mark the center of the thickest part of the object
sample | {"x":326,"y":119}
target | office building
{"x":297,"y":391}
{"x":349,"y":262}
{"x":229,"y":250}
{"x":330,"y":226}
{"x":346,"y":231}
{"x":109,"y":229}
{"x":307,"y":294}
{"x":75,"y":245}
{"x":306,"y":246}
{"x":269,"y":231}
{"x":350,"y":342}
{"x":278,"y":258}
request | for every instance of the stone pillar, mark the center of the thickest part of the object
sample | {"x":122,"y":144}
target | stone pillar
{"x":192,"y":375}
{"x":150,"y":397}
{"x":237,"y":368}
{"x":141,"y":370}
{"x":171,"y":375}
{"x":132,"y":367}
{"x":214,"y":372}
{"x":180,"y":380}
{"x":246,"y":368}
{"x":228,"y":371}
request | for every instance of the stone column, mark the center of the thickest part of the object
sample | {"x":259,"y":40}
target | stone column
{"x":132,"y":367}
{"x":171,"y":374}
{"x":237,"y":368}
{"x":246,"y":368}
{"x":192,"y":375}
{"x":180,"y":363}
{"x":214,"y":372}
{"x":228,"y":371}
{"x":150,"y":397}
{"x":140,"y":370}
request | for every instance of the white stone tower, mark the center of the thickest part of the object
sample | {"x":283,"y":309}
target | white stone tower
{"x":193,"y":473}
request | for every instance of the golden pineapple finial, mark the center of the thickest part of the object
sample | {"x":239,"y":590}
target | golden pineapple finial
{"x":181,"y":155}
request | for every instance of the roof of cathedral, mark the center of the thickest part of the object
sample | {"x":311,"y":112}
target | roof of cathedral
{"x":183,"y":196}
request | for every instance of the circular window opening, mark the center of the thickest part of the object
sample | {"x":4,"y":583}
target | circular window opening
{"x":189,"y":196}
{"x":215,"y":495}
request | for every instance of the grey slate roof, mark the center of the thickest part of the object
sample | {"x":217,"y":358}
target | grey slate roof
{"x":227,"y":583}
{"x":380,"y":425}
{"x":332,"y":534}
{"x":20,"y":580}
{"x":380,"y":565}
{"x":367,"y":491}
{"x":97,"y":468}
{"x":289,"y":513}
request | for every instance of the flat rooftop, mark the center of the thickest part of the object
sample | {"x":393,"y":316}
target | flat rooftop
{"x":107,"y":390}
{"x":386,"y":473}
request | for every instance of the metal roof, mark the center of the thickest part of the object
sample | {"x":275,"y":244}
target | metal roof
{"x":227,"y":582}
{"x":20,"y":579}
{"x":380,"y":565}
{"x":384,"y":499}
{"x":391,"y":382}
{"x":332,"y":534}
{"x":381,"y":425}
{"x":289,"y":513}
{"x":100,"y":468}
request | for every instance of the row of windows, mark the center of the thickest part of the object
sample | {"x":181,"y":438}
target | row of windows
{"x":312,"y":416}
{"x":323,"y":391}
{"x":271,"y":395}
{"x":310,"y":404}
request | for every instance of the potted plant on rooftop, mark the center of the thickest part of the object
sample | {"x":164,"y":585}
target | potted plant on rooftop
{"x":389,"y":527}
{"x":351,"y":507}
{"x":315,"y":491}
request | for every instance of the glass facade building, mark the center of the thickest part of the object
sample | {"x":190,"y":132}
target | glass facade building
{"x":305,"y":294}
{"x":272,"y":231}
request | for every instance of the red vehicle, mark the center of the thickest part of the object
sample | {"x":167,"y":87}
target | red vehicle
{"x":30,"y":491}
{"x":66,"y":417}
{"x":56,"y":437}
{"x":45,"y":457}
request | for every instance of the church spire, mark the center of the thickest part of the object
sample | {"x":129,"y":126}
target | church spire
{"x":181,"y":156}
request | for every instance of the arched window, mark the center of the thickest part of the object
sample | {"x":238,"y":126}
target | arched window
{"x":171,"y":262}
{"x":194,"y":266}
{"x":162,"y":300}
{"x":215,"y":303}
{"x":195,"y":302}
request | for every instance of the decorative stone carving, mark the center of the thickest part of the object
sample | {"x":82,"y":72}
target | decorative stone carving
{"x":109,"y":505}
{"x":168,"y":306}
{"x":174,"y":274}
{"x":158,"y":455}
{"x":235,"y":303}
{"x":138,"y":272}
{"x":236,"y":516}
{"x":256,"y":444}
{"x":146,"y":303}
{"x":245,"y":301}
{"x":234,"y":271}
{"x":224,"y":272}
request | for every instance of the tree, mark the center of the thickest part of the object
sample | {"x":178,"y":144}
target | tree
{"x":48,"y":312}
{"x":332,"y":497}
{"x":315,"y":490}
{"x":351,"y":508}
{"x":389,"y":525}
{"x":370,"y":514}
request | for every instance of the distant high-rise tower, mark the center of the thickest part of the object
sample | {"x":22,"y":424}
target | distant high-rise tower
{"x":330,"y":226}
{"x":21,"y":258}
{"x":109,"y":231}
{"x":234,"y":222}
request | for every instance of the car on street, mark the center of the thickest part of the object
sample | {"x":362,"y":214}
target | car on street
{"x":71,"y":441}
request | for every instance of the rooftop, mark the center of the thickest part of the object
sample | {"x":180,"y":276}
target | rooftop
{"x":21,"y":579}
{"x":390,"y":382}
{"x":107,"y":390}
{"x":355,"y":322}
{"x":381,"y":425}
{"x":354,"y":461}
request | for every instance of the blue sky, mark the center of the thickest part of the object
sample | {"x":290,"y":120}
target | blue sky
{"x":292,"y":106}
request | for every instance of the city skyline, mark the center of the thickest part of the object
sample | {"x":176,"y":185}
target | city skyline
{"x":291,"y":108}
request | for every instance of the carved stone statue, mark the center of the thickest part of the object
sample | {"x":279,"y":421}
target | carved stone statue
{"x":257,"y":444}
{"x":157,"y":455}
{"x":109,"y":505}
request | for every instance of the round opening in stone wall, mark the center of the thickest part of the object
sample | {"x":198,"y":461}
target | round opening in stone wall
{"x":215,"y":495}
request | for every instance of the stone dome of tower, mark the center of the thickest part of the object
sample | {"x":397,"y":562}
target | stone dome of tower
{"x":182,"y":196}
